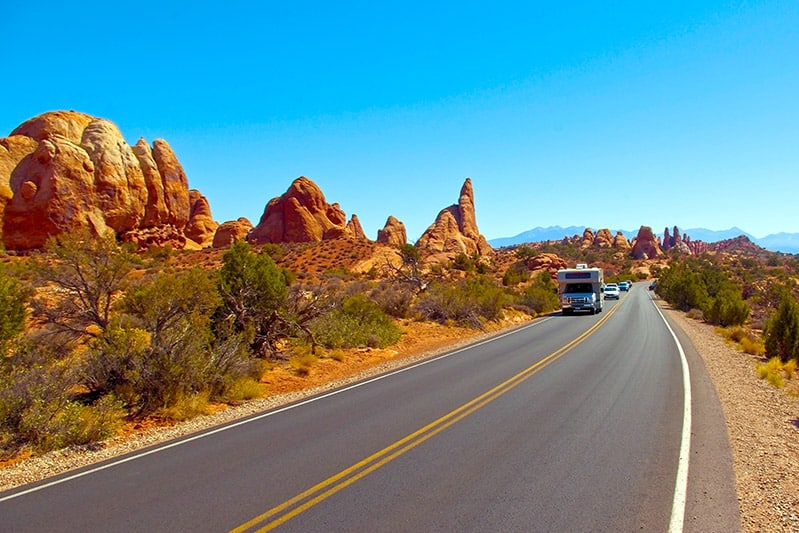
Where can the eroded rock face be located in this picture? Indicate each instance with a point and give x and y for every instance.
(603, 239)
(64, 170)
(646, 245)
(231, 231)
(455, 230)
(393, 233)
(354, 225)
(301, 214)
(201, 227)
(620, 242)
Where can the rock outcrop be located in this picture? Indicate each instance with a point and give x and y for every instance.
(645, 245)
(231, 231)
(65, 170)
(455, 231)
(620, 242)
(301, 214)
(201, 226)
(354, 225)
(393, 233)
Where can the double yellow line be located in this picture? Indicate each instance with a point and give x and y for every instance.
(305, 500)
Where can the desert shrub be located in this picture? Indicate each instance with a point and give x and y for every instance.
(727, 308)
(781, 332)
(37, 409)
(254, 293)
(161, 355)
(393, 298)
(469, 301)
(682, 287)
(358, 322)
(775, 371)
(12, 311)
(541, 296)
(515, 274)
(89, 273)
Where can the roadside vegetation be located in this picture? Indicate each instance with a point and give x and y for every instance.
(753, 301)
(93, 335)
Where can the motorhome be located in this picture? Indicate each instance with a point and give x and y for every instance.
(580, 289)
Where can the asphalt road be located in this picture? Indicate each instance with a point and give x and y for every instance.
(566, 424)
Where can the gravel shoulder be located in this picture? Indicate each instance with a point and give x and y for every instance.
(762, 422)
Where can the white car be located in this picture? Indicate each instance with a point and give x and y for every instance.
(612, 291)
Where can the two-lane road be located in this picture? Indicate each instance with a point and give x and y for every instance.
(566, 424)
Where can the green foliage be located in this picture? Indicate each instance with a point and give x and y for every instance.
(253, 290)
(464, 263)
(12, 311)
(541, 296)
(470, 301)
(727, 308)
(781, 332)
(682, 287)
(36, 408)
(89, 272)
(358, 322)
(525, 252)
(515, 274)
(161, 354)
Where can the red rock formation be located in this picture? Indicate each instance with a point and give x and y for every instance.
(455, 231)
(646, 245)
(201, 227)
(354, 225)
(66, 170)
(588, 238)
(620, 242)
(231, 231)
(393, 233)
(603, 239)
(301, 214)
(546, 261)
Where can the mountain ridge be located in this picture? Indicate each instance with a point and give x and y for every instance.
(776, 242)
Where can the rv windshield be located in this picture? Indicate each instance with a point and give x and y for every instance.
(578, 287)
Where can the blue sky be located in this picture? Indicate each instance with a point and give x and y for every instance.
(618, 115)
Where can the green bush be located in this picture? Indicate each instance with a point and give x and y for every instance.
(727, 308)
(781, 332)
(469, 301)
(541, 296)
(12, 311)
(161, 353)
(358, 322)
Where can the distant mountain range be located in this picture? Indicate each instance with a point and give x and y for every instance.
(779, 242)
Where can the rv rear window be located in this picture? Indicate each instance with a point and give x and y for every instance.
(578, 287)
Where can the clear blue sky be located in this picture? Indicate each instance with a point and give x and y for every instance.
(612, 115)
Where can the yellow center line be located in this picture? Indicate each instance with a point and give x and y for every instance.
(323, 490)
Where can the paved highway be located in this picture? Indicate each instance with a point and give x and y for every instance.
(566, 424)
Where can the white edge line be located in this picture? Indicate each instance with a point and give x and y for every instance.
(681, 483)
(208, 433)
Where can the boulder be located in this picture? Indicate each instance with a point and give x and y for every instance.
(230, 232)
(620, 242)
(603, 238)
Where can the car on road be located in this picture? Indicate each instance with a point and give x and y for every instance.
(612, 291)
(624, 286)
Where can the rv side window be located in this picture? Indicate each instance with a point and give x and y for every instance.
(578, 287)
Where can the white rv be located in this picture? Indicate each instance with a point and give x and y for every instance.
(580, 289)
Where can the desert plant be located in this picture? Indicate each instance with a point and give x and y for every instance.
(254, 290)
(469, 301)
(781, 332)
(89, 273)
(541, 296)
(12, 311)
(727, 308)
(775, 371)
(358, 322)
